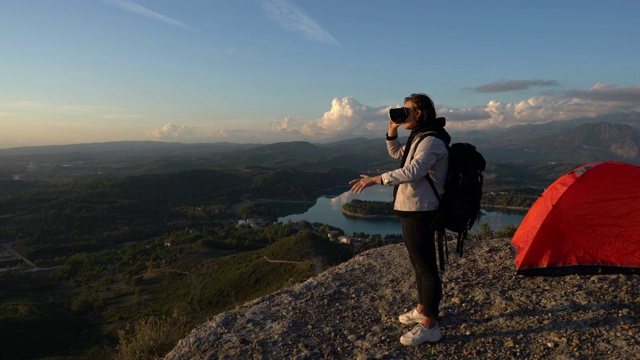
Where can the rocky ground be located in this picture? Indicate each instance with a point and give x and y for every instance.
(351, 312)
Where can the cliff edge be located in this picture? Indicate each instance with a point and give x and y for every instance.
(351, 311)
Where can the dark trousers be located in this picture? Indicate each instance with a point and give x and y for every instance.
(420, 242)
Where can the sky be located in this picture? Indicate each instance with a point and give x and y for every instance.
(265, 71)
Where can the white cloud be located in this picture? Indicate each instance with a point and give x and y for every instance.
(172, 132)
(137, 9)
(293, 19)
(572, 104)
(530, 111)
(221, 133)
(347, 117)
(463, 114)
(284, 125)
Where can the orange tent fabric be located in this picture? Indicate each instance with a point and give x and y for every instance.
(586, 222)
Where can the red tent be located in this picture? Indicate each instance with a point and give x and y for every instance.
(586, 222)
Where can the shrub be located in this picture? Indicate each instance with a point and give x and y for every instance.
(485, 232)
(81, 306)
(151, 338)
(507, 231)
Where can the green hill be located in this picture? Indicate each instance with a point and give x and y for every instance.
(234, 279)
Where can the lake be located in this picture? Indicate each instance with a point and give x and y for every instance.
(326, 210)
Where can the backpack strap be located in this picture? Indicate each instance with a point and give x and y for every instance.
(440, 233)
(442, 248)
(433, 187)
(437, 135)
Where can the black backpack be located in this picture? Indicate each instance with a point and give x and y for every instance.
(460, 203)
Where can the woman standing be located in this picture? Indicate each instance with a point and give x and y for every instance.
(416, 204)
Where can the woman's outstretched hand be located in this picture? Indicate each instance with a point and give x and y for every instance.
(357, 185)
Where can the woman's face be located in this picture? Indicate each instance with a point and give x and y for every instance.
(413, 115)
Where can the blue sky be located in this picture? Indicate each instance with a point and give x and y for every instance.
(263, 71)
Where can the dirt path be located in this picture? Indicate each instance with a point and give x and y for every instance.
(283, 261)
(193, 302)
(8, 254)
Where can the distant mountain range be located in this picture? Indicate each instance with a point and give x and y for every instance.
(607, 137)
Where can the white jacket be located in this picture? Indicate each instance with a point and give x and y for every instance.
(414, 192)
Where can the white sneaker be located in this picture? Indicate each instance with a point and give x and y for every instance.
(411, 317)
(420, 334)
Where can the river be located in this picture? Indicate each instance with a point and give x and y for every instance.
(326, 210)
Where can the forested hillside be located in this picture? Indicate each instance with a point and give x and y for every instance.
(108, 251)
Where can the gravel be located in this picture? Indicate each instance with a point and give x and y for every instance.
(351, 311)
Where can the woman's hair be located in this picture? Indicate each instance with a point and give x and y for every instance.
(424, 103)
(428, 116)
